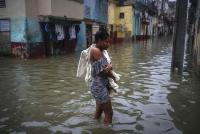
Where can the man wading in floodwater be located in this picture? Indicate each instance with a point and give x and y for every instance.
(100, 72)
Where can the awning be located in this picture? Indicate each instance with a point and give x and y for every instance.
(88, 21)
(64, 20)
(91, 21)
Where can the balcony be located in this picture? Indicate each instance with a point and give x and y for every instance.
(61, 8)
(123, 2)
(79, 1)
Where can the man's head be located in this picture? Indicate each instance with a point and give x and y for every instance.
(102, 39)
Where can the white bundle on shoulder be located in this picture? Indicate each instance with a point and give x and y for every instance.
(84, 67)
(113, 84)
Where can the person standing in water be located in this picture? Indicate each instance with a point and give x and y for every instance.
(100, 72)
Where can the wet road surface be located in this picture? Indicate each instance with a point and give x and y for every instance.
(43, 96)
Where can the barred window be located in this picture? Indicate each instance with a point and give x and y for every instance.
(4, 25)
(2, 4)
(121, 15)
(4, 34)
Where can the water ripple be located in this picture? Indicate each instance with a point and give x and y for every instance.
(44, 93)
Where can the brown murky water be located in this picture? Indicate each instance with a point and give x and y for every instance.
(43, 96)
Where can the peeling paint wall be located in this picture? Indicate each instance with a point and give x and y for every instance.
(24, 24)
(89, 9)
(25, 29)
(18, 29)
(34, 34)
(137, 30)
(16, 12)
(101, 11)
(81, 37)
(24, 20)
(96, 10)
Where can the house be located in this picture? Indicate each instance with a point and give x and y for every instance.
(95, 16)
(121, 20)
(38, 28)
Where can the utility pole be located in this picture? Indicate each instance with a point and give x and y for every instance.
(162, 7)
(179, 36)
(196, 49)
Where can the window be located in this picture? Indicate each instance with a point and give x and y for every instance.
(4, 32)
(4, 25)
(121, 15)
(2, 4)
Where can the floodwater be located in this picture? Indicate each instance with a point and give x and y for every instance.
(43, 96)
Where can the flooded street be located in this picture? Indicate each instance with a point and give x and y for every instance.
(43, 96)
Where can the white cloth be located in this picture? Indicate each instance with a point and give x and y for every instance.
(60, 32)
(84, 67)
(111, 81)
(72, 32)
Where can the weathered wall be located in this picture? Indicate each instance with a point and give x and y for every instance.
(137, 30)
(127, 22)
(18, 29)
(89, 9)
(16, 12)
(13, 8)
(67, 8)
(24, 20)
(33, 31)
(81, 37)
(32, 8)
(133, 22)
(111, 13)
(96, 10)
(101, 11)
(44, 7)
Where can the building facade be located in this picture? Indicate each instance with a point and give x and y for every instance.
(95, 17)
(121, 21)
(42, 28)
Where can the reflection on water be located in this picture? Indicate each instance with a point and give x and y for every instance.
(44, 96)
